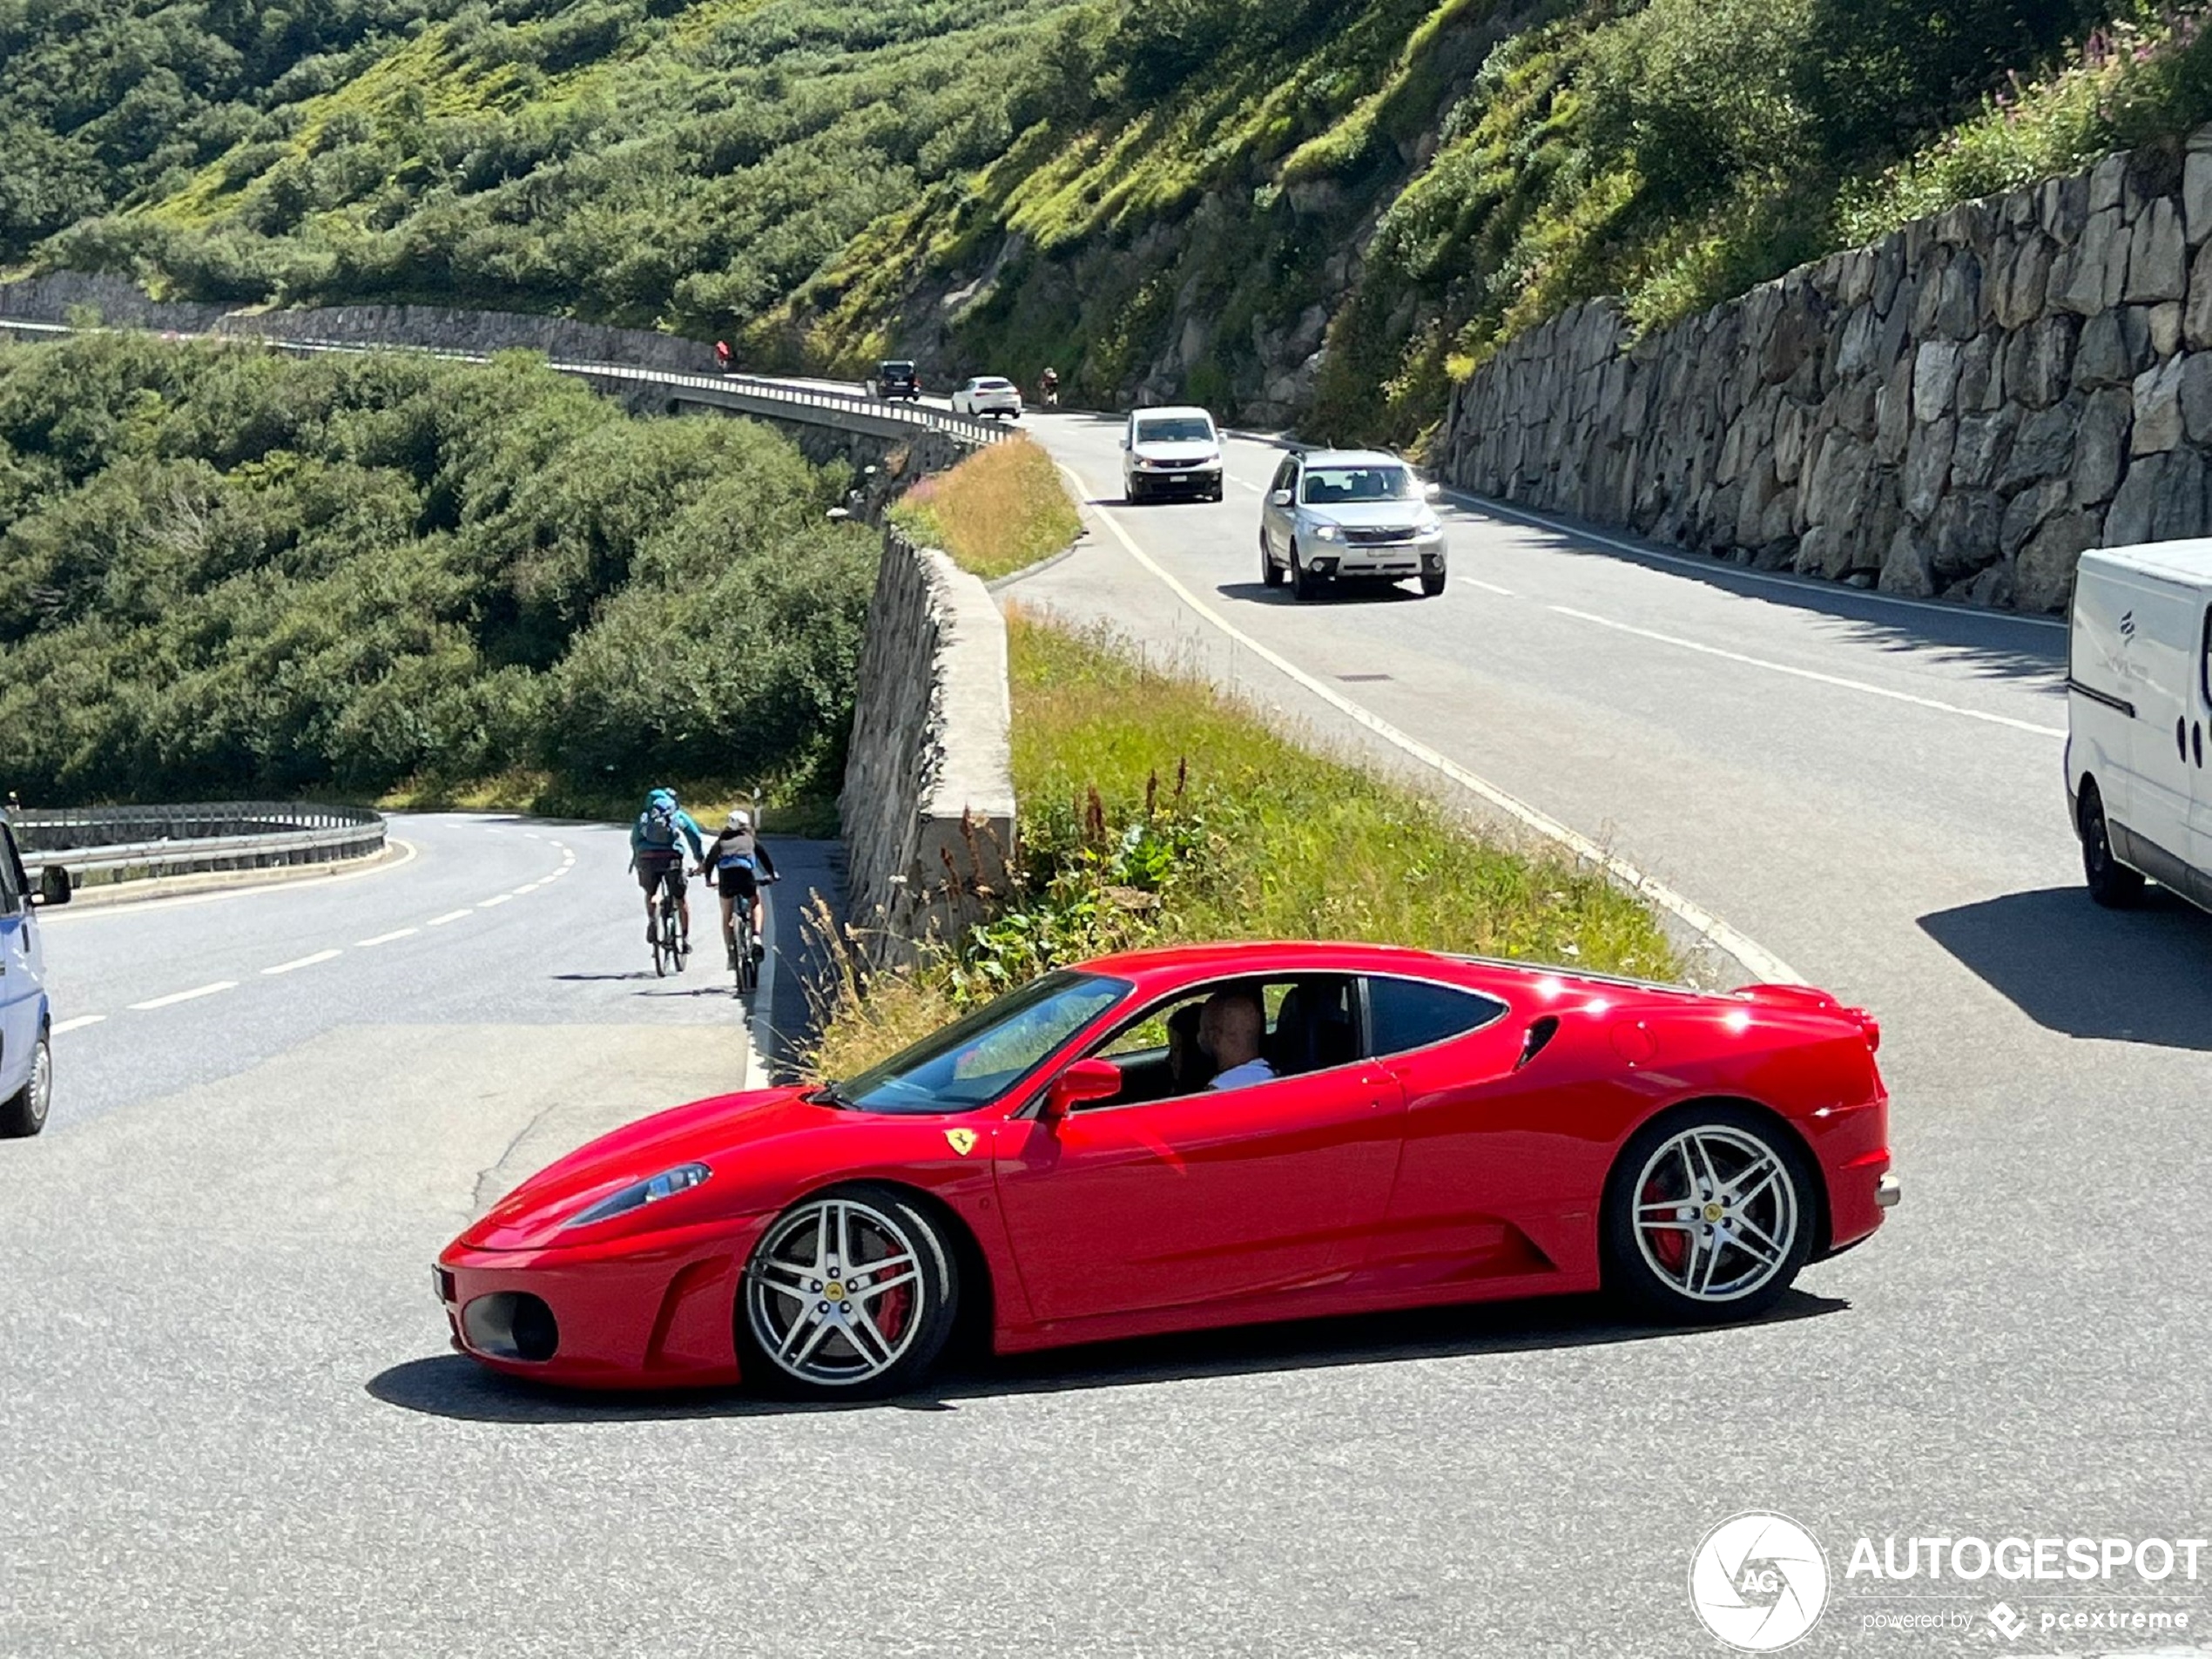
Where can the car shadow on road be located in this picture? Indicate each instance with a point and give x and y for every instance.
(2072, 967)
(1376, 592)
(450, 1386)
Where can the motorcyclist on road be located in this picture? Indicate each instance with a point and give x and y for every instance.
(738, 861)
(1050, 382)
(657, 855)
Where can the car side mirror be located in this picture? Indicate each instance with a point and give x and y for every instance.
(53, 885)
(1432, 492)
(1087, 1080)
(1124, 440)
(1280, 498)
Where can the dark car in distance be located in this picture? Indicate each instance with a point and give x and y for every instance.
(896, 378)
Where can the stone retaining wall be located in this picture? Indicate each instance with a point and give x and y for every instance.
(927, 804)
(1960, 409)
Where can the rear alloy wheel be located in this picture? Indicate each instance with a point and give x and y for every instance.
(849, 1294)
(24, 1112)
(1270, 572)
(2111, 883)
(1709, 1215)
(1304, 586)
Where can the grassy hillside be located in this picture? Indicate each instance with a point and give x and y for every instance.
(1186, 199)
(227, 572)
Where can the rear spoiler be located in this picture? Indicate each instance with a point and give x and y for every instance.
(1813, 1000)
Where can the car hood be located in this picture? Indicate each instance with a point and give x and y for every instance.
(1181, 449)
(718, 1132)
(1368, 514)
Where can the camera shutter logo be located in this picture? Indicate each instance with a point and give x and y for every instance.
(1759, 1582)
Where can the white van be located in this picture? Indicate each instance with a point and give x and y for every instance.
(2139, 697)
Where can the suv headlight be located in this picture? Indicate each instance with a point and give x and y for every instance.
(639, 1194)
(1427, 525)
(1326, 533)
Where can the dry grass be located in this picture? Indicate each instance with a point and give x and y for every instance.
(1279, 842)
(1001, 509)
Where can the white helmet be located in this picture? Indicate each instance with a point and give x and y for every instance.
(740, 819)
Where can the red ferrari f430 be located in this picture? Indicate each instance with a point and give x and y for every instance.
(1178, 1139)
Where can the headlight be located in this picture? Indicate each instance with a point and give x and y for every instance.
(1326, 533)
(637, 1195)
(1428, 526)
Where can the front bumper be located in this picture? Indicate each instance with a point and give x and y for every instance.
(662, 1316)
(1391, 560)
(1192, 478)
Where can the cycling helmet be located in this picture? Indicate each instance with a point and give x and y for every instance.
(740, 819)
(661, 797)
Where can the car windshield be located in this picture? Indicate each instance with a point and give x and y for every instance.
(992, 386)
(979, 1057)
(1328, 484)
(1183, 429)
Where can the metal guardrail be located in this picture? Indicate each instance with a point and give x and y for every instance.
(115, 843)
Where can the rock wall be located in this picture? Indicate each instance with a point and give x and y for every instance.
(927, 804)
(1959, 410)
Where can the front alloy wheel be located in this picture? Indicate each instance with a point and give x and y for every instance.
(24, 1112)
(1709, 1216)
(850, 1294)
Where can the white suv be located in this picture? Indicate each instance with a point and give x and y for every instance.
(1334, 515)
(988, 395)
(1170, 452)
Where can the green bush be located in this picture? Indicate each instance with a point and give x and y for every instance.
(223, 572)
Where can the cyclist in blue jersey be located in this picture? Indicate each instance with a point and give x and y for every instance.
(657, 855)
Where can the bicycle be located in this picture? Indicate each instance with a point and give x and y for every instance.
(748, 971)
(672, 945)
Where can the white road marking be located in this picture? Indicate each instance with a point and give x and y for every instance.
(1770, 579)
(1812, 674)
(77, 1024)
(497, 897)
(175, 997)
(1761, 963)
(303, 962)
(1488, 587)
(528, 886)
(450, 915)
(386, 939)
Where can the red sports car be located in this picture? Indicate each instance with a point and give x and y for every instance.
(1181, 1138)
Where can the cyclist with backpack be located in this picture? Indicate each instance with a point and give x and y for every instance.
(657, 855)
(738, 861)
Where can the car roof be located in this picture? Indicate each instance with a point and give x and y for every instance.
(1349, 458)
(2186, 561)
(1177, 410)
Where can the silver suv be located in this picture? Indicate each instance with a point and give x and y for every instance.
(1334, 515)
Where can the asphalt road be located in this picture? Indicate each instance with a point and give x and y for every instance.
(232, 1426)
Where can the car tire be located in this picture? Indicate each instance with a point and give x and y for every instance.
(1270, 572)
(1134, 492)
(1304, 585)
(1657, 1239)
(24, 1113)
(774, 1324)
(2112, 884)
(1432, 584)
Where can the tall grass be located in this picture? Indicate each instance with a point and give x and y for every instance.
(1001, 509)
(1155, 810)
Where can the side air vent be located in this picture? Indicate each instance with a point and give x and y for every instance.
(1541, 1032)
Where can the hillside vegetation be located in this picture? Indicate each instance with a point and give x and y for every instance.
(1185, 200)
(224, 572)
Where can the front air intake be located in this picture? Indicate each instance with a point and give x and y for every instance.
(511, 1325)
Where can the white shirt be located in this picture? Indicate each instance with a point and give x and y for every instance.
(1253, 1071)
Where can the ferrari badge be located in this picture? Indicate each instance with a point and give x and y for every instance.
(963, 1140)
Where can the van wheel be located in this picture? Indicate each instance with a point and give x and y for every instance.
(2111, 883)
(24, 1112)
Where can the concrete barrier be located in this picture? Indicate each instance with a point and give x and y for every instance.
(928, 804)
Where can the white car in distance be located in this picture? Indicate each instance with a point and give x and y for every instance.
(1170, 452)
(991, 394)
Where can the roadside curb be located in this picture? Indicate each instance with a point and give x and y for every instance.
(1042, 565)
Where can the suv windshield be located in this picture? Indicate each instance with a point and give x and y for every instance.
(979, 1057)
(1187, 429)
(895, 371)
(1327, 484)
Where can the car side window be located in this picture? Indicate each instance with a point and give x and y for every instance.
(1406, 1014)
(10, 873)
